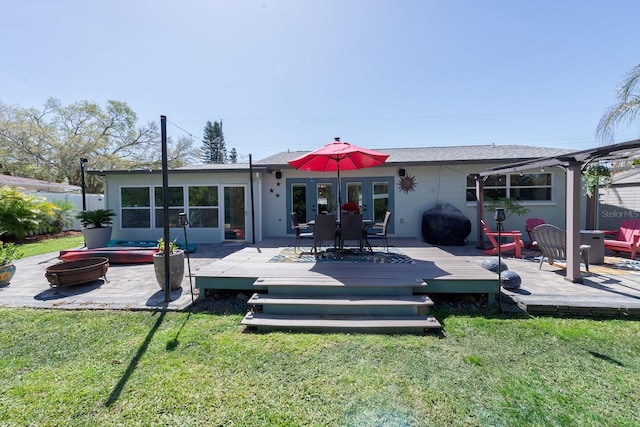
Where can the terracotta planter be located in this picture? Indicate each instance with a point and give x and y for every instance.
(6, 274)
(176, 268)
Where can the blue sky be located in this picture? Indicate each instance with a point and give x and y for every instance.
(294, 74)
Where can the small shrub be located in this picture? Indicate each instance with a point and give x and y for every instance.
(9, 252)
(173, 246)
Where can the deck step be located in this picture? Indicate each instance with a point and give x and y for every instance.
(387, 305)
(410, 300)
(345, 286)
(359, 323)
(323, 280)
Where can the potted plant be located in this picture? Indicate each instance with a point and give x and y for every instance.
(97, 227)
(176, 264)
(594, 176)
(8, 253)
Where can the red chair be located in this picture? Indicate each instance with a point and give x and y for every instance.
(627, 238)
(530, 224)
(516, 245)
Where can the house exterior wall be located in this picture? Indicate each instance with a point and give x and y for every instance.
(435, 184)
(617, 203)
(113, 183)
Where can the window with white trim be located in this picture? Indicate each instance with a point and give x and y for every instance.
(135, 207)
(203, 206)
(530, 187)
(176, 205)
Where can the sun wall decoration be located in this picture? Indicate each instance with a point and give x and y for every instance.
(407, 183)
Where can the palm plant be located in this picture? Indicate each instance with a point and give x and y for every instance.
(63, 215)
(96, 219)
(21, 214)
(626, 110)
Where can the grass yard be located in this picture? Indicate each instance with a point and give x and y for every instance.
(44, 246)
(92, 368)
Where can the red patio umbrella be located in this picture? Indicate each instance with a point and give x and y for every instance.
(336, 156)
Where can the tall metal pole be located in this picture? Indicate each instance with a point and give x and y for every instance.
(479, 209)
(165, 209)
(253, 213)
(82, 184)
(500, 217)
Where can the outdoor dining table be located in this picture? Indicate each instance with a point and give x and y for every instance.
(366, 224)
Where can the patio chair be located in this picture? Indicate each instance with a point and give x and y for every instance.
(530, 224)
(324, 230)
(298, 227)
(515, 245)
(627, 238)
(351, 229)
(382, 234)
(552, 242)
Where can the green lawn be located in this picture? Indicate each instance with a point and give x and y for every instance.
(91, 368)
(39, 247)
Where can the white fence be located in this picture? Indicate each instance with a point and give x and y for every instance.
(94, 201)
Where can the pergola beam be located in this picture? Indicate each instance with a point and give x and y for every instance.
(572, 163)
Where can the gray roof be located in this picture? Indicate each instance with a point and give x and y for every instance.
(403, 156)
(36, 184)
(209, 167)
(629, 177)
(456, 154)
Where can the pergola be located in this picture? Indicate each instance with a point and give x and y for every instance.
(573, 164)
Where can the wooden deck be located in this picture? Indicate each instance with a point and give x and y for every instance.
(608, 290)
(345, 296)
(432, 265)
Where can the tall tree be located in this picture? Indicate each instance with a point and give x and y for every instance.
(213, 145)
(48, 143)
(233, 156)
(626, 110)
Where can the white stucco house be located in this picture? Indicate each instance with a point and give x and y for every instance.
(241, 202)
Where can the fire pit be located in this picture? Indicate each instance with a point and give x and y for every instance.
(77, 272)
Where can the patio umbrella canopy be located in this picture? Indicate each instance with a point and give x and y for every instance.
(337, 156)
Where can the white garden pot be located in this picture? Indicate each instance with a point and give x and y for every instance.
(96, 237)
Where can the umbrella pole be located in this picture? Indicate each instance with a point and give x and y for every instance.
(339, 194)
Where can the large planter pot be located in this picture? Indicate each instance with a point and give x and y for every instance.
(6, 273)
(176, 268)
(96, 237)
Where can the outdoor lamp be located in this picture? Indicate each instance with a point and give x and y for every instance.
(500, 216)
(182, 219)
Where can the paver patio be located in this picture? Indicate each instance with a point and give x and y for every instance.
(610, 289)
